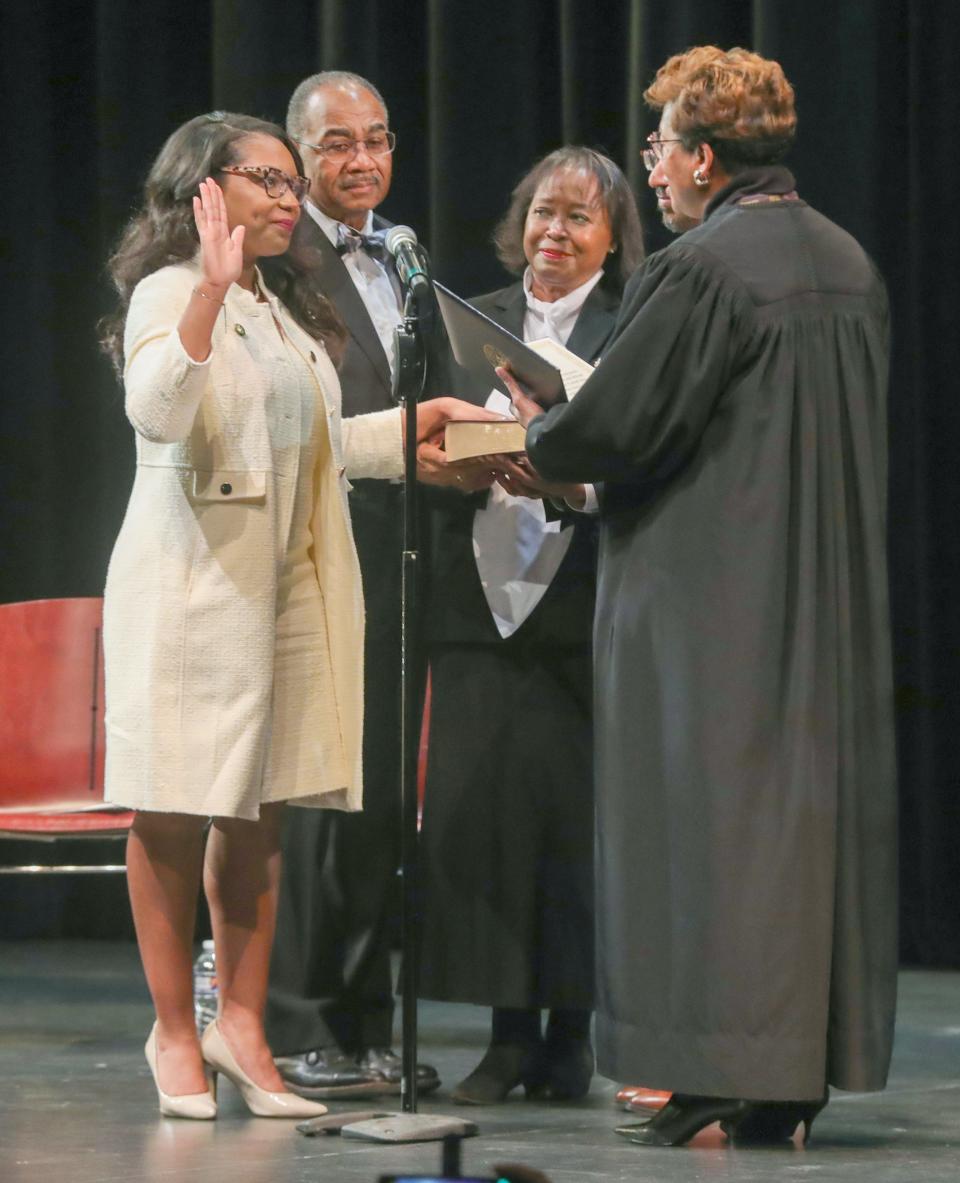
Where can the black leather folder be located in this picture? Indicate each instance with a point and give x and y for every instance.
(480, 345)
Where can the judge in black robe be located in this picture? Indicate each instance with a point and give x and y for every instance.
(746, 855)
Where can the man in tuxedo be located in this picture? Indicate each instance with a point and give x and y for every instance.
(330, 1005)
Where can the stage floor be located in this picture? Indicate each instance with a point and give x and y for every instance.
(77, 1104)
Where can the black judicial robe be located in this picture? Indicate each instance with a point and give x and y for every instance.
(745, 780)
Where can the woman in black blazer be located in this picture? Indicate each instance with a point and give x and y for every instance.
(508, 818)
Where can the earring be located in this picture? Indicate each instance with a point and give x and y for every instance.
(612, 251)
(700, 177)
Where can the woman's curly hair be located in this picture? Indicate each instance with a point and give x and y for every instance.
(164, 230)
(736, 101)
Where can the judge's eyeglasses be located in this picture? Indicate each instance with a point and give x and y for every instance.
(654, 154)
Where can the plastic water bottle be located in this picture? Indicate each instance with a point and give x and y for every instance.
(205, 987)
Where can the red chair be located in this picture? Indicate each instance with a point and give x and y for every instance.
(51, 728)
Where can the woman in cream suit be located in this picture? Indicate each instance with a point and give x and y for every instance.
(233, 618)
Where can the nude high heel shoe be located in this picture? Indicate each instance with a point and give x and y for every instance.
(261, 1103)
(199, 1106)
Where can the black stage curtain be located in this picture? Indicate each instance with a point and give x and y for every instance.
(476, 90)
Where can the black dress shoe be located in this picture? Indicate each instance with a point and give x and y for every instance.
(568, 1064)
(770, 1122)
(328, 1072)
(388, 1066)
(503, 1067)
(685, 1115)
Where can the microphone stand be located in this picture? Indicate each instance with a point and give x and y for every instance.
(371, 1125)
(409, 381)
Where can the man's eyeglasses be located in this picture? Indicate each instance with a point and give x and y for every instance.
(654, 154)
(274, 181)
(379, 143)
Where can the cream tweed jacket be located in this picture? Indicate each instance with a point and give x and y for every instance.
(190, 600)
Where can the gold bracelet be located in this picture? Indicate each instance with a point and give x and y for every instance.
(212, 299)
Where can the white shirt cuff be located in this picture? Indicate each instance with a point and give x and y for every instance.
(591, 502)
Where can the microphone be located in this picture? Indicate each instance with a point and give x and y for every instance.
(401, 244)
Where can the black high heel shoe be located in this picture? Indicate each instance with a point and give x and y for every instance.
(682, 1117)
(568, 1065)
(769, 1122)
(503, 1067)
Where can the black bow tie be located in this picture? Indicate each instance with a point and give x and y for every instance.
(350, 240)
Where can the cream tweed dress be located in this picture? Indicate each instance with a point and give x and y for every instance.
(233, 614)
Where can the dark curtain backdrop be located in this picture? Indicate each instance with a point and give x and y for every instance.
(476, 90)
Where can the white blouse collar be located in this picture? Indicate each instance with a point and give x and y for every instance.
(567, 305)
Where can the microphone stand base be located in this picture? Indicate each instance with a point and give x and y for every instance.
(372, 1125)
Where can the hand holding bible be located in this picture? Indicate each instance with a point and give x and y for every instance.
(518, 476)
(524, 408)
(466, 476)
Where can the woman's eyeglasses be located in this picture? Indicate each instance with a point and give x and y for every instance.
(654, 154)
(274, 181)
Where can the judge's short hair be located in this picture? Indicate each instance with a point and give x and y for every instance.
(297, 107)
(736, 101)
(615, 194)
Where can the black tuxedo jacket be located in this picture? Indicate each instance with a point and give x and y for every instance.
(458, 610)
(375, 505)
(364, 370)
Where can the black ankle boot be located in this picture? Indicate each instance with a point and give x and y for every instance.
(503, 1067)
(568, 1064)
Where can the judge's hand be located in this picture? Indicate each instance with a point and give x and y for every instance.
(518, 476)
(524, 408)
(466, 476)
(221, 252)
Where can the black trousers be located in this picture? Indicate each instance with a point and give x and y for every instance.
(507, 840)
(330, 977)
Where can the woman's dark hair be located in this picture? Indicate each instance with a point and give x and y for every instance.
(164, 231)
(615, 194)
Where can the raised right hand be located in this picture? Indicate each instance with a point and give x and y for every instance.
(221, 253)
